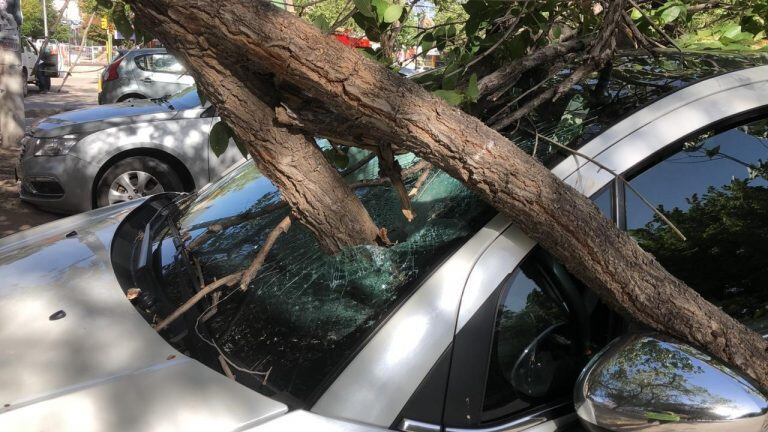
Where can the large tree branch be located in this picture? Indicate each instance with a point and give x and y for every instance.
(557, 216)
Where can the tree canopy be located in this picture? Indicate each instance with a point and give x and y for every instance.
(32, 26)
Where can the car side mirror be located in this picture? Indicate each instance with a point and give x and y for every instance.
(650, 382)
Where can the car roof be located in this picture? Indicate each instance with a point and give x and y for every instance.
(635, 80)
(146, 51)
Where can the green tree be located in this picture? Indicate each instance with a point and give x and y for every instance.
(33, 21)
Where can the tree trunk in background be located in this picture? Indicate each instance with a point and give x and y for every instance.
(334, 92)
(11, 98)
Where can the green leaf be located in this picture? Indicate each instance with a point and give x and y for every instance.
(338, 159)
(392, 13)
(219, 138)
(635, 15)
(732, 30)
(451, 96)
(364, 7)
(450, 77)
(472, 91)
(321, 23)
(105, 4)
(426, 45)
(380, 7)
(122, 23)
(241, 147)
(714, 151)
(671, 13)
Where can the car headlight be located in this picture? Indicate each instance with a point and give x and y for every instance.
(54, 146)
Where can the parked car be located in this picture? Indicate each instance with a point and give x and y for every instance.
(464, 324)
(84, 159)
(143, 74)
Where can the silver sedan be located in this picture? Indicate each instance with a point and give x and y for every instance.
(84, 159)
(465, 324)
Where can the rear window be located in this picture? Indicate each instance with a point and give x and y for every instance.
(307, 313)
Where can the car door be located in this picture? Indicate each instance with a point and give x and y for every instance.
(160, 74)
(525, 330)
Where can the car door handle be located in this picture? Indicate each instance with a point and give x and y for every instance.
(147, 80)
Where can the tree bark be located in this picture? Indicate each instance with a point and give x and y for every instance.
(11, 98)
(316, 193)
(330, 86)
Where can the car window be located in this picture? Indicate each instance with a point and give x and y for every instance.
(164, 63)
(539, 342)
(306, 313)
(186, 99)
(714, 190)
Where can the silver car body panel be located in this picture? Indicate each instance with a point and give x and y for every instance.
(75, 355)
(301, 420)
(380, 380)
(97, 118)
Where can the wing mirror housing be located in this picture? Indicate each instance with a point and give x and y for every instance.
(652, 383)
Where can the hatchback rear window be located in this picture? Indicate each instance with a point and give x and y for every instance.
(306, 313)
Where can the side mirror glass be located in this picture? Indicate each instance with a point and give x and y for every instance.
(649, 382)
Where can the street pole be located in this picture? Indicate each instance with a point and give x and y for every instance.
(45, 18)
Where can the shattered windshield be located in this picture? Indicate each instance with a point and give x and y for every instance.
(306, 313)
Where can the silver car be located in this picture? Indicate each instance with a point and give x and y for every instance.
(142, 74)
(464, 324)
(79, 160)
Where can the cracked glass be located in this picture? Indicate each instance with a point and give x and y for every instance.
(307, 313)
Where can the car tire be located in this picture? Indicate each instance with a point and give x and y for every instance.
(145, 176)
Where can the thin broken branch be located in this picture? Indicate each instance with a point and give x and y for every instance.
(620, 177)
(253, 269)
(225, 281)
(655, 26)
(391, 169)
(243, 277)
(419, 183)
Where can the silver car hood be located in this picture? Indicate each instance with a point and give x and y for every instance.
(75, 355)
(98, 118)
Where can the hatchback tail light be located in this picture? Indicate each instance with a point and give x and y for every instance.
(111, 72)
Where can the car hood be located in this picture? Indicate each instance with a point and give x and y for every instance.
(75, 355)
(102, 117)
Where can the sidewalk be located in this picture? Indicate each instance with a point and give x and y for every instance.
(80, 91)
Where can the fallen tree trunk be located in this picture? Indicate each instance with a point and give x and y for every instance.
(316, 193)
(331, 91)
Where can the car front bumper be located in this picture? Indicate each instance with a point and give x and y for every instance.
(62, 184)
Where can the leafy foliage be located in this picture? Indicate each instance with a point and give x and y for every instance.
(33, 21)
